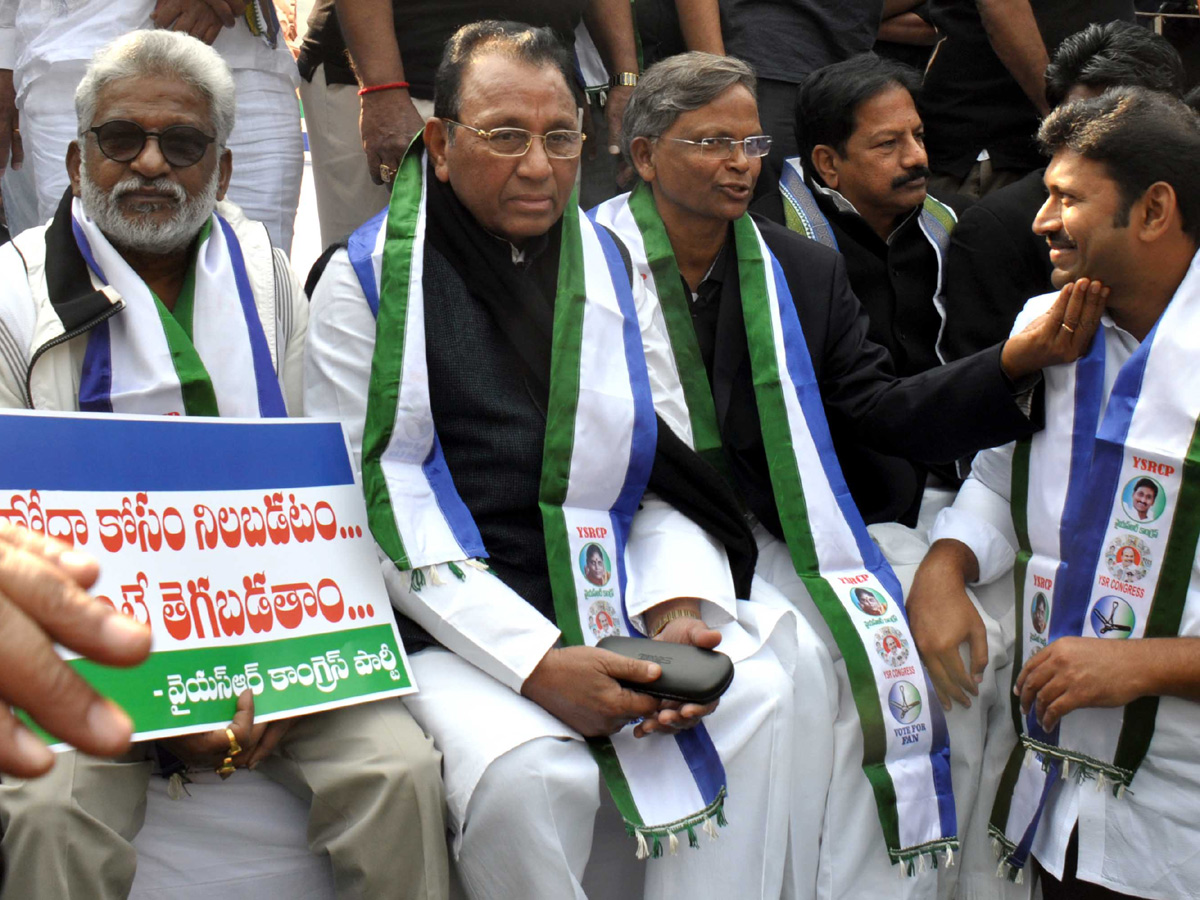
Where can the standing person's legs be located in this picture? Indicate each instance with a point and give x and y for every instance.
(19, 191)
(777, 114)
(68, 834)
(268, 152)
(374, 782)
(346, 195)
(48, 125)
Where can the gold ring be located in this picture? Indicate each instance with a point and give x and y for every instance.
(386, 173)
(234, 747)
(226, 769)
(1068, 327)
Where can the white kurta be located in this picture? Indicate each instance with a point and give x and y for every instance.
(1144, 844)
(469, 697)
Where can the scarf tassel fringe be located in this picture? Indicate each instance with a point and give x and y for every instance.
(654, 842)
(928, 857)
(1081, 770)
(419, 576)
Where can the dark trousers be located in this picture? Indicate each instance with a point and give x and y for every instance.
(777, 113)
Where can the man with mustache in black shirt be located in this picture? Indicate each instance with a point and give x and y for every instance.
(859, 186)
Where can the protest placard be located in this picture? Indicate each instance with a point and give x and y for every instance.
(242, 544)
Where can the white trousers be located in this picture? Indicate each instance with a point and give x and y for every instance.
(525, 821)
(346, 195)
(852, 859)
(268, 152)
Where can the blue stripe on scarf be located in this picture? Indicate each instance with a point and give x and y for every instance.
(270, 397)
(800, 369)
(703, 761)
(360, 248)
(454, 510)
(95, 380)
(645, 426)
(46, 450)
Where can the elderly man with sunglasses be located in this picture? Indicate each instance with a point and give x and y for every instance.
(143, 295)
(530, 496)
(772, 350)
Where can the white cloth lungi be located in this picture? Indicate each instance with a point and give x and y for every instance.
(268, 151)
(853, 860)
(523, 789)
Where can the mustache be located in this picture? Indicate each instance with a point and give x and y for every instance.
(1060, 240)
(910, 176)
(134, 184)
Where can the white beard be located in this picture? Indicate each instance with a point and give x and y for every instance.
(131, 232)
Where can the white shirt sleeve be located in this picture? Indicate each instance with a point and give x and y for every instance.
(479, 618)
(981, 515)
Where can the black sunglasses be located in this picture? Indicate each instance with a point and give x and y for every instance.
(180, 145)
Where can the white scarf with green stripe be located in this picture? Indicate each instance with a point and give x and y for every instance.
(599, 449)
(147, 361)
(906, 750)
(1089, 562)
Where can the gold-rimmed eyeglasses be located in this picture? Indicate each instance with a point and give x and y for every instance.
(517, 141)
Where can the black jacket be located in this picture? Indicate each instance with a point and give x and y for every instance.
(994, 265)
(936, 416)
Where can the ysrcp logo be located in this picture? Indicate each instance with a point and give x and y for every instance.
(602, 619)
(904, 700)
(1112, 617)
(892, 645)
(1128, 558)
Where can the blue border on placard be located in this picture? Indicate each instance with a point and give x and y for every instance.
(110, 453)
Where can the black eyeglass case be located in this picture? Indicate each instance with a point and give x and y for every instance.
(689, 674)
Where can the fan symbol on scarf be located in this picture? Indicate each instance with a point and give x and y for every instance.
(1108, 623)
(905, 701)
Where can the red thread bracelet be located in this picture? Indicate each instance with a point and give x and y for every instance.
(392, 86)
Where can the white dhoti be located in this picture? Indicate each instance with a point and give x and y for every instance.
(523, 790)
(853, 860)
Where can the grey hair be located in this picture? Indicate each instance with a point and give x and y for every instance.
(676, 85)
(162, 54)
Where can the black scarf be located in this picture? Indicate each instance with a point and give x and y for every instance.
(520, 298)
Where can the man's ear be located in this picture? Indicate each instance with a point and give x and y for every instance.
(225, 167)
(825, 161)
(74, 158)
(1155, 212)
(642, 151)
(437, 142)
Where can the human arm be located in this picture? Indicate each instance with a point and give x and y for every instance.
(700, 25)
(43, 600)
(907, 28)
(1013, 33)
(972, 541)
(948, 411)
(1079, 673)
(194, 17)
(291, 329)
(388, 119)
(610, 23)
